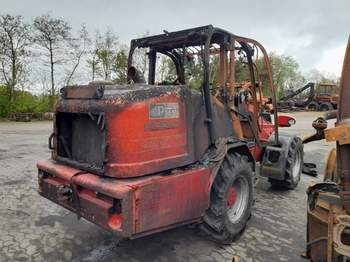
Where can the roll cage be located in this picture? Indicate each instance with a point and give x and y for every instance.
(205, 41)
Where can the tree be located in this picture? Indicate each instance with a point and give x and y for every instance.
(78, 48)
(285, 73)
(170, 70)
(93, 61)
(319, 77)
(194, 71)
(165, 69)
(52, 35)
(103, 55)
(14, 43)
(214, 70)
(120, 66)
(108, 59)
(140, 57)
(106, 53)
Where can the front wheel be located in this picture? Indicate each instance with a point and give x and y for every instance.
(231, 200)
(294, 166)
(313, 106)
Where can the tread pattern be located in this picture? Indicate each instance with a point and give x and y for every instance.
(326, 106)
(288, 181)
(215, 217)
(313, 106)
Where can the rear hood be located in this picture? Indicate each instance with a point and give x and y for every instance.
(92, 98)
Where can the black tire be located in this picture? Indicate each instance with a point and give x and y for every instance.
(326, 107)
(294, 166)
(312, 106)
(222, 222)
(267, 116)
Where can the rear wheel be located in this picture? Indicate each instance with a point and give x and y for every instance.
(231, 200)
(326, 107)
(294, 166)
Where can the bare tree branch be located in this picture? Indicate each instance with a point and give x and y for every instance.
(52, 34)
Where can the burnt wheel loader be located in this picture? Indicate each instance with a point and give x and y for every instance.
(327, 97)
(321, 98)
(158, 153)
(328, 207)
(288, 102)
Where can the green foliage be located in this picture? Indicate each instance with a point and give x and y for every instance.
(4, 101)
(104, 53)
(14, 51)
(120, 67)
(193, 72)
(214, 67)
(170, 72)
(285, 73)
(24, 102)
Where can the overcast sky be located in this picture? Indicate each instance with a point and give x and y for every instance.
(314, 32)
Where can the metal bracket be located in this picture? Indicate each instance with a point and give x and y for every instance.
(342, 223)
(339, 133)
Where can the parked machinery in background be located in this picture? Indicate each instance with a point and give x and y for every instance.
(318, 97)
(326, 97)
(290, 101)
(21, 117)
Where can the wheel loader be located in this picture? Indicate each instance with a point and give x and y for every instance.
(159, 152)
(320, 97)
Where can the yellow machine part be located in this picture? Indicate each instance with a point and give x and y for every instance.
(331, 167)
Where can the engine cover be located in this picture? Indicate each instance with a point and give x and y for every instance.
(129, 131)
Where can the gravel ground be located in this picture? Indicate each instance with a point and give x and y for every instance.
(34, 229)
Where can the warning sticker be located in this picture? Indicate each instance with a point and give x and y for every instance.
(164, 110)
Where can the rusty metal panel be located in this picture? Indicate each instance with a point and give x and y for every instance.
(317, 229)
(171, 199)
(82, 92)
(340, 133)
(148, 204)
(53, 176)
(148, 137)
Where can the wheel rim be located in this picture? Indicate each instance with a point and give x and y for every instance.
(237, 199)
(297, 165)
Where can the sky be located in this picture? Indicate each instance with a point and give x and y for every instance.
(314, 32)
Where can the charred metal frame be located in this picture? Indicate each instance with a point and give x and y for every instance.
(204, 36)
(101, 123)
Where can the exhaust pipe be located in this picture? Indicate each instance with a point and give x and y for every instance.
(136, 76)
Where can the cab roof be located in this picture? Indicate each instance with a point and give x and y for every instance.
(184, 38)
